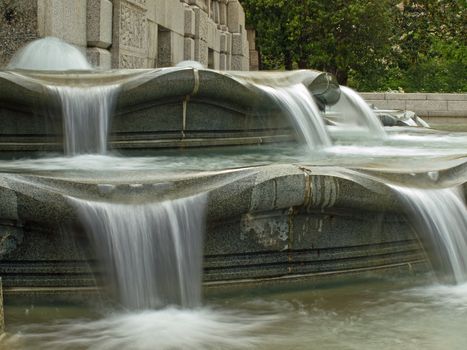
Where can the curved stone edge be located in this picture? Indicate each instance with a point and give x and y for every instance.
(243, 206)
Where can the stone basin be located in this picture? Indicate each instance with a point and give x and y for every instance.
(156, 108)
(267, 224)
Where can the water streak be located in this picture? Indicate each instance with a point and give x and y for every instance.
(353, 110)
(300, 107)
(86, 116)
(442, 214)
(153, 252)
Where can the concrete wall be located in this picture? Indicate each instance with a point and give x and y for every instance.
(133, 33)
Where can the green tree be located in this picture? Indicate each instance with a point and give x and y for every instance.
(416, 45)
(432, 51)
(339, 36)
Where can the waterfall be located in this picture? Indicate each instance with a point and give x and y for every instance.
(300, 107)
(441, 214)
(86, 116)
(153, 252)
(352, 109)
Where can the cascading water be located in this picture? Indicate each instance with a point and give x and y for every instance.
(352, 109)
(300, 107)
(442, 214)
(86, 116)
(153, 251)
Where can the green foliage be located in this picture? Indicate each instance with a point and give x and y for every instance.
(414, 45)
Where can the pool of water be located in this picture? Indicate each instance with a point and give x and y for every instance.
(404, 150)
(371, 315)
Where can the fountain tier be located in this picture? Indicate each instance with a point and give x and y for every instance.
(164, 108)
(274, 223)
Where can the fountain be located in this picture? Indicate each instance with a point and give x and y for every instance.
(142, 190)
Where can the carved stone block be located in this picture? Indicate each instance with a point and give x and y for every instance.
(165, 47)
(216, 60)
(99, 23)
(18, 26)
(223, 61)
(228, 37)
(130, 47)
(132, 62)
(213, 38)
(99, 58)
(254, 60)
(251, 37)
(201, 19)
(200, 3)
(201, 52)
(235, 16)
(237, 62)
(152, 44)
(190, 25)
(237, 44)
(64, 19)
(223, 12)
(189, 49)
(223, 42)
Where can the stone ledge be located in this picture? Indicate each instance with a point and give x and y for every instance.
(426, 105)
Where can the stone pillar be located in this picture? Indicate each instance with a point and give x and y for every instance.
(225, 48)
(223, 14)
(190, 31)
(165, 48)
(152, 44)
(215, 11)
(130, 34)
(254, 55)
(201, 35)
(99, 32)
(236, 25)
(235, 16)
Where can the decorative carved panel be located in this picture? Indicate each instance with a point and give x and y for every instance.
(131, 62)
(132, 26)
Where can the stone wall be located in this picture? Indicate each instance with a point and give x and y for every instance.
(424, 104)
(133, 33)
(18, 25)
(435, 108)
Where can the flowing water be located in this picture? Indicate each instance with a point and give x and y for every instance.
(383, 315)
(442, 215)
(86, 114)
(352, 110)
(303, 111)
(153, 252)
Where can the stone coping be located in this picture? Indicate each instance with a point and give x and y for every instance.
(424, 104)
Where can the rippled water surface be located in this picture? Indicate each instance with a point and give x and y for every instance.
(383, 315)
(404, 150)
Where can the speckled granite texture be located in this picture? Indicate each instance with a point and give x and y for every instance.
(18, 25)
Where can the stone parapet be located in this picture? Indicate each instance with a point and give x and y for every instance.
(424, 104)
(134, 33)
